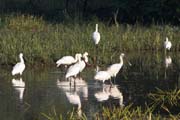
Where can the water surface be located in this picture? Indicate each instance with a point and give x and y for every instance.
(43, 90)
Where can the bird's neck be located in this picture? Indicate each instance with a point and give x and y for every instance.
(21, 59)
(121, 60)
(96, 28)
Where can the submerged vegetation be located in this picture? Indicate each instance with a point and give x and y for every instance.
(43, 42)
(150, 111)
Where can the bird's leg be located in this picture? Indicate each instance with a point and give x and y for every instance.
(114, 80)
(97, 62)
(111, 81)
(70, 83)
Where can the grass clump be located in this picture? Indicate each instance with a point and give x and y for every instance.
(44, 42)
(161, 100)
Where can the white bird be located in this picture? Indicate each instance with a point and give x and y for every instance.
(19, 67)
(19, 85)
(67, 60)
(102, 75)
(85, 57)
(168, 61)
(115, 68)
(96, 36)
(167, 44)
(74, 69)
(83, 62)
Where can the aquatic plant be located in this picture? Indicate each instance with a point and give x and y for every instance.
(43, 42)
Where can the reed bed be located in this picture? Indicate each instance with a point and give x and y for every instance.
(44, 42)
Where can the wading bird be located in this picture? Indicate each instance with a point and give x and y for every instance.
(115, 68)
(167, 44)
(96, 36)
(75, 69)
(102, 75)
(19, 67)
(67, 60)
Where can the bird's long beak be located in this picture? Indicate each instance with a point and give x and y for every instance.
(128, 62)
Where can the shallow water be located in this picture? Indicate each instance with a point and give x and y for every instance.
(46, 90)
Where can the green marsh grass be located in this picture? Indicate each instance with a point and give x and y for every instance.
(129, 112)
(44, 42)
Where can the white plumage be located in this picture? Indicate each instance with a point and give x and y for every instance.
(19, 67)
(75, 69)
(67, 60)
(167, 44)
(85, 56)
(19, 86)
(83, 62)
(96, 35)
(101, 75)
(114, 68)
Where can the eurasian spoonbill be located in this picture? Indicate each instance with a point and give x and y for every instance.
(19, 67)
(167, 44)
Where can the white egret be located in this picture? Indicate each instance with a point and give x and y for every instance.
(115, 68)
(19, 67)
(102, 75)
(19, 85)
(75, 69)
(96, 36)
(67, 60)
(167, 44)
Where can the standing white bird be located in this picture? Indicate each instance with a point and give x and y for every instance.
(167, 44)
(102, 75)
(19, 67)
(67, 60)
(96, 36)
(74, 69)
(19, 85)
(114, 68)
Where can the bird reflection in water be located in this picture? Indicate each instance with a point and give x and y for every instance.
(19, 86)
(109, 91)
(75, 91)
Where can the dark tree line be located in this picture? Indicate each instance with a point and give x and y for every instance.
(130, 11)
